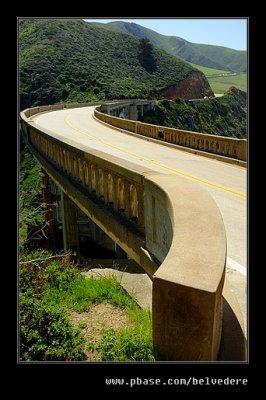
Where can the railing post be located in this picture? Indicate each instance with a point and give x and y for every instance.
(141, 211)
(105, 186)
(115, 194)
(242, 150)
(127, 198)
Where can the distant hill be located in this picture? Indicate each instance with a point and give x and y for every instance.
(225, 116)
(211, 56)
(71, 60)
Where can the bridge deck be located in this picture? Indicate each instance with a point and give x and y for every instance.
(225, 182)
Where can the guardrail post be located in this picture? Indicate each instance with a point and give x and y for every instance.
(105, 186)
(242, 150)
(141, 211)
(127, 198)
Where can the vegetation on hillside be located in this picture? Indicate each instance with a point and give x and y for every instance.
(50, 290)
(225, 116)
(210, 71)
(31, 217)
(220, 83)
(71, 60)
(202, 54)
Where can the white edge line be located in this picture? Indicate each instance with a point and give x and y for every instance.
(234, 265)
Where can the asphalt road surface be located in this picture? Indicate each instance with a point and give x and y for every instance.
(225, 182)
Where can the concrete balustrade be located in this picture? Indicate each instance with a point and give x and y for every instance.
(96, 181)
(185, 231)
(170, 226)
(201, 142)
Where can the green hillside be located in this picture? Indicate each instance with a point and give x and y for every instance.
(210, 71)
(71, 60)
(220, 84)
(225, 116)
(211, 56)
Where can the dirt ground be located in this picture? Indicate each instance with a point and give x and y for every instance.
(95, 322)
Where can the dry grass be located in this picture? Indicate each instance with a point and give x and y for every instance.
(95, 322)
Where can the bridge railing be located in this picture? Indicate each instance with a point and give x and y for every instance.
(169, 225)
(219, 145)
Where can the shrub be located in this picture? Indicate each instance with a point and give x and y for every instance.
(50, 289)
(31, 277)
(46, 333)
(107, 347)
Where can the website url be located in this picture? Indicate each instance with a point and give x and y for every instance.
(190, 381)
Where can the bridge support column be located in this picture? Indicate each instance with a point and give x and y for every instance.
(133, 115)
(187, 322)
(70, 226)
(48, 211)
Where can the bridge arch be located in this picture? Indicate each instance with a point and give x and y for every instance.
(178, 251)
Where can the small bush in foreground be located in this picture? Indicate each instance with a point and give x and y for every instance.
(46, 333)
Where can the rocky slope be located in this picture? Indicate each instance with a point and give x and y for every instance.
(194, 86)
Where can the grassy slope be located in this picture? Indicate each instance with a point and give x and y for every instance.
(71, 60)
(210, 71)
(236, 60)
(50, 290)
(201, 54)
(220, 84)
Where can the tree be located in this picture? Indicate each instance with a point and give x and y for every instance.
(145, 56)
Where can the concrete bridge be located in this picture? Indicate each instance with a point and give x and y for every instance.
(169, 209)
(129, 109)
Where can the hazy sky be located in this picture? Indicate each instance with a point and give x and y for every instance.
(222, 32)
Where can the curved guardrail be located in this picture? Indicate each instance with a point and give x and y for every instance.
(170, 226)
(199, 143)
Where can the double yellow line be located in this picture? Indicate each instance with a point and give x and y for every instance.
(152, 162)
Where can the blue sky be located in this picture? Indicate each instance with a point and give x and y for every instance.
(222, 32)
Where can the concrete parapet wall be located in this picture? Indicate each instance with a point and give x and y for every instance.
(220, 145)
(190, 279)
(168, 225)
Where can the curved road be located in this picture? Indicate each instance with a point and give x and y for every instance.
(225, 182)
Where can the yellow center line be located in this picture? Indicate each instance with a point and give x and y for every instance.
(152, 162)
